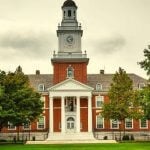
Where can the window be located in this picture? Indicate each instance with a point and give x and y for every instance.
(43, 100)
(41, 87)
(114, 124)
(70, 72)
(11, 126)
(69, 13)
(41, 123)
(26, 126)
(128, 123)
(141, 85)
(143, 123)
(99, 122)
(99, 101)
(98, 87)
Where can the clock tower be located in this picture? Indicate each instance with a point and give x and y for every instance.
(69, 59)
(69, 32)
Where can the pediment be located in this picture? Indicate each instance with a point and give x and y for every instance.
(70, 85)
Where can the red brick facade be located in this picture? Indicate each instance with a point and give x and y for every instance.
(60, 71)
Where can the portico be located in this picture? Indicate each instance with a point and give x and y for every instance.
(70, 92)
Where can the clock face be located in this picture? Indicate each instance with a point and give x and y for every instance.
(69, 39)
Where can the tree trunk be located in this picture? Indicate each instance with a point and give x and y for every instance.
(124, 130)
(18, 129)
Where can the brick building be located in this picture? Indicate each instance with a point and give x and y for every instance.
(72, 98)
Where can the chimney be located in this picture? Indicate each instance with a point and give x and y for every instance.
(102, 72)
(37, 72)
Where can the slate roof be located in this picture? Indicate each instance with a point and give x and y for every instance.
(93, 79)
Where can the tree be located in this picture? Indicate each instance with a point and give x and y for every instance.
(145, 64)
(145, 102)
(145, 93)
(5, 110)
(22, 102)
(124, 102)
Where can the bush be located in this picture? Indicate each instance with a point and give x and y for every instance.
(132, 137)
(2, 140)
(105, 138)
(125, 138)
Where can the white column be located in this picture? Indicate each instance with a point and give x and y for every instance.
(51, 115)
(89, 114)
(62, 115)
(78, 115)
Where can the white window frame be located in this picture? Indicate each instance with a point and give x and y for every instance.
(126, 127)
(97, 122)
(11, 126)
(99, 87)
(72, 70)
(38, 124)
(140, 120)
(43, 100)
(41, 87)
(100, 99)
(27, 128)
(141, 86)
(112, 122)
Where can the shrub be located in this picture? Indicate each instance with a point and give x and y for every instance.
(125, 138)
(105, 138)
(132, 137)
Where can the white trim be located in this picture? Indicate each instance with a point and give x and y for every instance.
(99, 87)
(70, 80)
(111, 122)
(9, 124)
(146, 124)
(41, 87)
(97, 99)
(103, 122)
(128, 127)
(27, 128)
(43, 99)
(38, 124)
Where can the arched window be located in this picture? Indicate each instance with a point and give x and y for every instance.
(70, 119)
(70, 72)
(69, 13)
(98, 87)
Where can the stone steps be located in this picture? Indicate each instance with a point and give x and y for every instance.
(71, 142)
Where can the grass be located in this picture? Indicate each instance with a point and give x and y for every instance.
(120, 146)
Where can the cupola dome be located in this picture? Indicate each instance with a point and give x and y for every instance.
(69, 3)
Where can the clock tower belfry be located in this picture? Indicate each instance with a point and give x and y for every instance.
(69, 54)
(69, 32)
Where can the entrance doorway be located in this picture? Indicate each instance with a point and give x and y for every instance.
(70, 124)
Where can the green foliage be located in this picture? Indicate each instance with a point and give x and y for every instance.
(121, 97)
(125, 138)
(145, 64)
(145, 101)
(19, 103)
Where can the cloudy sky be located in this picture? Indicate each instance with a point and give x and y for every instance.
(115, 33)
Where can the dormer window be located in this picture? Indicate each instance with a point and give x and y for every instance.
(141, 85)
(70, 72)
(98, 87)
(41, 87)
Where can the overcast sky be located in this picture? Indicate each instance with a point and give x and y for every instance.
(115, 33)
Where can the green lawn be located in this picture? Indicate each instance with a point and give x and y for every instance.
(121, 146)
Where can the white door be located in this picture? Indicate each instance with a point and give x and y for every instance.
(70, 124)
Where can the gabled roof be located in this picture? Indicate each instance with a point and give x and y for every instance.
(70, 85)
(92, 80)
